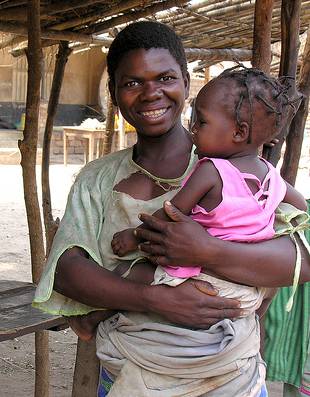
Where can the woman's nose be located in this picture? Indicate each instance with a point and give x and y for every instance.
(151, 91)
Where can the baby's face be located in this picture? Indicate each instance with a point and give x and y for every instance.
(214, 122)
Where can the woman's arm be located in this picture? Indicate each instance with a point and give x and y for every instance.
(268, 264)
(81, 279)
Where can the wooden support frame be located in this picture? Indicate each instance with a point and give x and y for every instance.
(290, 20)
(61, 59)
(262, 35)
(28, 150)
(296, 131)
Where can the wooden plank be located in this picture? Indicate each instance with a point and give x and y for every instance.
(17, 316)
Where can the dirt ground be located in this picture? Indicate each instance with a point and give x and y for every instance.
(17, 356)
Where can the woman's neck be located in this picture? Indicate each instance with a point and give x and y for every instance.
(172, 143)
(166, 156)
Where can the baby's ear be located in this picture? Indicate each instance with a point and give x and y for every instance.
(241, 134)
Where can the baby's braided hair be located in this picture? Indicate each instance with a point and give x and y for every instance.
(276, 94)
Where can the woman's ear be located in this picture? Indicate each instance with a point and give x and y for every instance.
(112, 92)
(241, 134)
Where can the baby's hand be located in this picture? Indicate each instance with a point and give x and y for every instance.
(124, 242)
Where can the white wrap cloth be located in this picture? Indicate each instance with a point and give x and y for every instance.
(151, 358)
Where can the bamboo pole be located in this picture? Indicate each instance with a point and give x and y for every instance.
(50, 225)
(262, 35)
(104, 13)
(290, 22)
(133, 16)
(296, 133)
(28, 149)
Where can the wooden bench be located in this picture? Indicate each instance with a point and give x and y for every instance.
(18, 317)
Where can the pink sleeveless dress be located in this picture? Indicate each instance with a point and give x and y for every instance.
(241, 216)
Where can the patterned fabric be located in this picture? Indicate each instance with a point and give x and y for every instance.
(105, 383)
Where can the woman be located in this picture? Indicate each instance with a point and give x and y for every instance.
(149, 82)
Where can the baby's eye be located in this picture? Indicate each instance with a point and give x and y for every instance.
(166, 78)
(201, 122)
(132, 83)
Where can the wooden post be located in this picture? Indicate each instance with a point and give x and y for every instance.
(207, 75)
(106, 144)
(261, 57)
(290, 20)
(296, 132)
(262, 35)
(86, 371)
(28, 149)
(61, 59)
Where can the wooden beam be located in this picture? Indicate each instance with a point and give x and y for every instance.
(19, 52)
(13, 41)
(218, 55)
(296, 133)
(133, 16)
(290, 22)
(21, 30)
(262, 35)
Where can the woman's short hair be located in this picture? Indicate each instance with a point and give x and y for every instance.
(147, 35)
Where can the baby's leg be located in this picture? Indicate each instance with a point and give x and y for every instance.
(85, 326)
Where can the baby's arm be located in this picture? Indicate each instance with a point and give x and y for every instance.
(295, 198)
(199, 184)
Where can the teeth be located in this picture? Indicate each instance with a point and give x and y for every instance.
(154, 113)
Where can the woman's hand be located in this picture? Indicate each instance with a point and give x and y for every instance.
(178, 242)
(194, 303)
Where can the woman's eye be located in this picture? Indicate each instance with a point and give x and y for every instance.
(131, 83)
(166, 78)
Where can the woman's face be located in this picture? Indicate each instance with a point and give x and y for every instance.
(150, 90)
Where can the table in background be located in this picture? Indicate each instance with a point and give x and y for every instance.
(86, 133)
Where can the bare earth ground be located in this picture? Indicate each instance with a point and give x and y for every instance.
(17, 356)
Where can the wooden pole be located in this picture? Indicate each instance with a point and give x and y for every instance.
(21, 30)
(106, 145)
(50, 225)
(28, 149)
(262, 40)
(207, 75)
(86, 370)
(296, 132)
(262, 35)
(290, 21)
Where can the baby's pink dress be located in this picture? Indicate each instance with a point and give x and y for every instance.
(241, 215)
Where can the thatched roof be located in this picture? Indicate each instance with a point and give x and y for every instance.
(216, 27)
